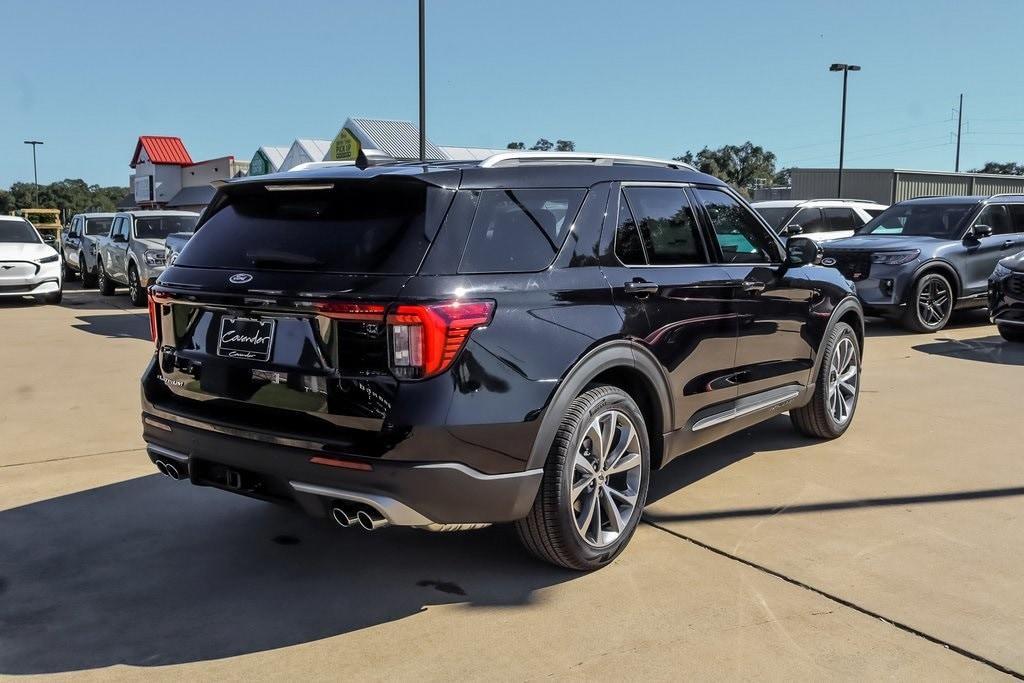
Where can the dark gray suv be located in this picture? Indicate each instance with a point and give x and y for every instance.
(922, 258)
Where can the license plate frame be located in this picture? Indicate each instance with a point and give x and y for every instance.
(245, 350)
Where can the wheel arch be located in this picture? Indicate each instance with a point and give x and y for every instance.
(935, 266)
(848, 311)
(619, 363)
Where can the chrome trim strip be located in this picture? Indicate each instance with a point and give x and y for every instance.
(153, 423)
(397, 513)
(1001, 321)
(166, 452)
(476, 474)
(733, 413)
(530, 155)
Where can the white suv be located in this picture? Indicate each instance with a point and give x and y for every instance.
(819, 219)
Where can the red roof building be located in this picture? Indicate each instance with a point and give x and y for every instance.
(162, 149)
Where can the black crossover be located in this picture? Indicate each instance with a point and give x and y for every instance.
(450, 345)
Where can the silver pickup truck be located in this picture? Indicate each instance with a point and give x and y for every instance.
(132, 253)
(78, 244)
(173, 245)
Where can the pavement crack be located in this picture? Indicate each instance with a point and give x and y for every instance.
(70, 457)
(906, 628)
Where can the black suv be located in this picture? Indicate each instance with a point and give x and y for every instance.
(522, 339)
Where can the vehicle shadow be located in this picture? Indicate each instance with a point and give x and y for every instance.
(993, 349)
(116, 326)
(884, 327)
(776, 434)
(147, 572)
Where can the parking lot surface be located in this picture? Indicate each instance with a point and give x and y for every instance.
(892, 552)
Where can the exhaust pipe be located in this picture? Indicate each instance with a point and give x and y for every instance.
(172, 471)
(370, 519)
(161, 466)
(343, 517)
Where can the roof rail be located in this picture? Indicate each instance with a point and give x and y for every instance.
(841, 199)
(1007, 194)
(516, 157)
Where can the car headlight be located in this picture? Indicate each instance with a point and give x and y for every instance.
(1000, 272)
(154, 257)
(50, 259)
(895, 258)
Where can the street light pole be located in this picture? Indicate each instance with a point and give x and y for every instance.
(423, 84)
(846, 69)
(959, 126)
(35, 172)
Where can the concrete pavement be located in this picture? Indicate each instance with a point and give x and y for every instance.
(892, 552)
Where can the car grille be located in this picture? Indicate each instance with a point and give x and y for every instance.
(854, 265)
(14, 289)
(1015, 285)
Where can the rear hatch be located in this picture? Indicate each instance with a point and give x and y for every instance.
(273, 315)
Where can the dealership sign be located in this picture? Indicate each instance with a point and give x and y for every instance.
(344, 147)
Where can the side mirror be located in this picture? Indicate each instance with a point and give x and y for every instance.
(803, 251)
(119, 238)
(980, 231)
(794, 229)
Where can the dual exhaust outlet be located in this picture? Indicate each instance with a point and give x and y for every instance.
(347, 514)
(170, 469)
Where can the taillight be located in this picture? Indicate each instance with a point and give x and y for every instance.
(341, 310)
(425, 339)
(154, 318)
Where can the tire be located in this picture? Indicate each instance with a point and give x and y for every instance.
(136, 292)
(929, 289)
(551, 531)
(65, 272)
(106, 285)
(823, 417)
(1011, 334)
(88, 278)
(54, 298)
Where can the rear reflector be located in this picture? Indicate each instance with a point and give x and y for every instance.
(154, 318)
(425, 339)
(346, 464)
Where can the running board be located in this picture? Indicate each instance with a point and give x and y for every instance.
(746, 406)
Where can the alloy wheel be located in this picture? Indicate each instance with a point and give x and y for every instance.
(933, 303)
(842, 381)
(133, 284)
(607, 473)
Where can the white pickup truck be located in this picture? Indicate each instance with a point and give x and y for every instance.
(132, 253)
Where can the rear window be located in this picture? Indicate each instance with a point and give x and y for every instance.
(519, 230)
(357, 227)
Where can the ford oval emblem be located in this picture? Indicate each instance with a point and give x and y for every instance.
(828, 261)
(240, 278)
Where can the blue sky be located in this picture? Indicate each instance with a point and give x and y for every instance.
(654, 78)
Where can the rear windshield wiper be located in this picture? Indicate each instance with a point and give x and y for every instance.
(272, 257)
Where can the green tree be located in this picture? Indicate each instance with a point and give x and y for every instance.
(71, 195)
(516, 145)
(1001, 167)
(542, 145)
(565, 146)
(739, 165)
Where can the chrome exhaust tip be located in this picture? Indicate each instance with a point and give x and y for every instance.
(371, 519)
(342, 517)
(172, 471)
(161, 466)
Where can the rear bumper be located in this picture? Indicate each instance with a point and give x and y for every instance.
(423, 494)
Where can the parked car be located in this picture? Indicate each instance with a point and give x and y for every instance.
(1006, 297)
(28, 266)
(78, 244)
(173, 245)
(132, 253)
(819, 219)
(520, 339)
(923, 258)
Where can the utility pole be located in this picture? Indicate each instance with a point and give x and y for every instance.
(959, 126)
(423, 83)
(846, 69)
(35, 171)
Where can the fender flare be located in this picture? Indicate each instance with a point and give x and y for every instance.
(847, 304)
(607, 356)
(947, 269)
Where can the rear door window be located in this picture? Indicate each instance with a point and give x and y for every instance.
(519, 230)
(667, 226)
(1016, 217)
(841, 219)
(365, 226)
(809, 220)
(996, 217)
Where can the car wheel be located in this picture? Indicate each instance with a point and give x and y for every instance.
(54, 298)
(88, 279)
(930, 305)
(136, 292)
(830, 410)
(594, 485)
(1011, 334)
(106, 285)
(65, 272)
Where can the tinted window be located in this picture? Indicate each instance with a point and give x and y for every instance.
(741, 237)
(627, 237)
(17, 231)
(874, 212)
(809, 220)
(841, 219)
(159, 227)
(519, 230)
(667, 225)
(360, 227)
(996, 217)
(97, 226)
(774, 215)
(1016, 217)
(924, 220)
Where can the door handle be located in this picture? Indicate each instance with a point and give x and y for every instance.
(637, 287)
(1008, 243)
(752, 286)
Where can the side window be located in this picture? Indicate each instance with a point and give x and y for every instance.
(627, 237)
(809, 220)
(1016, 217)
(668, 228)
(841, 219)
(874, 213)
(741, 237)
(519, 231)
(995, 216)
